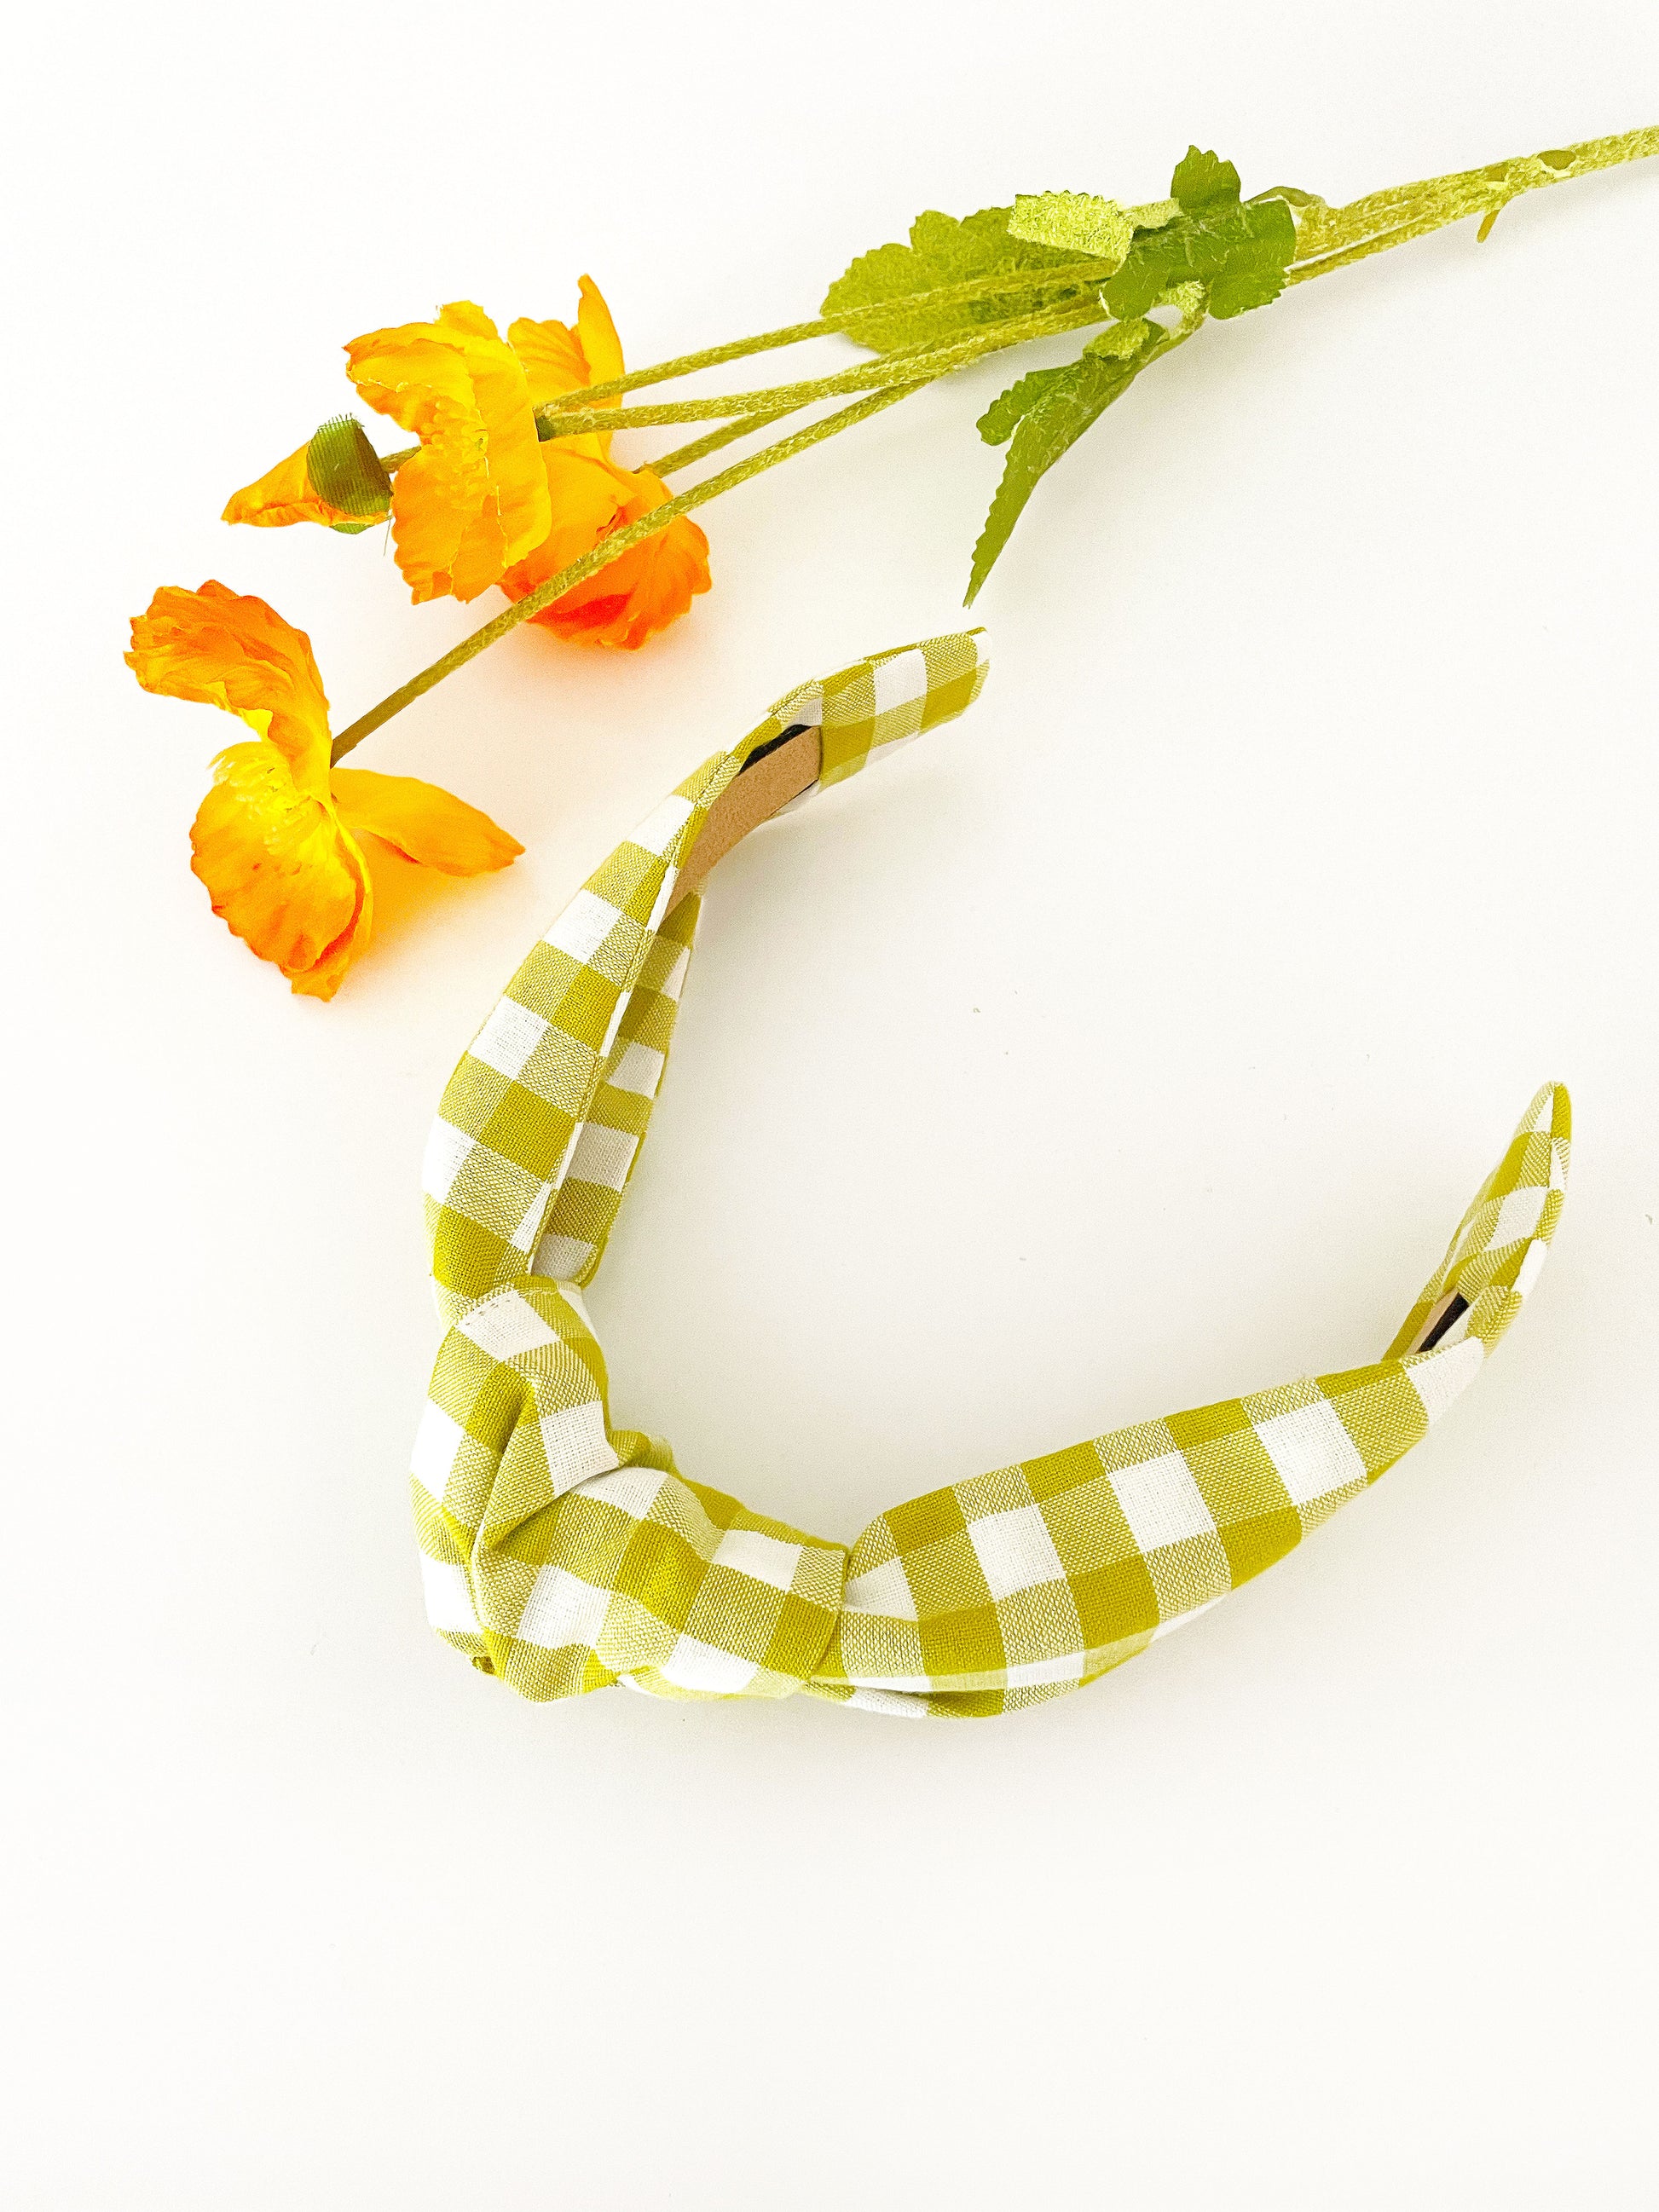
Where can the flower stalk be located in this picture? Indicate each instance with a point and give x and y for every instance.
(1327, 238)
(609, 549)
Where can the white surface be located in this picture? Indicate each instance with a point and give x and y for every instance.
(1307, 824)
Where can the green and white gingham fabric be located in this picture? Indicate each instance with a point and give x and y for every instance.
(564, 1553)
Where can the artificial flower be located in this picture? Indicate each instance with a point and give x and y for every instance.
(483, 501)
(557, 359)
(473, 500)
(642, 591)
(282, 843)
(284, 494)
(647, 587)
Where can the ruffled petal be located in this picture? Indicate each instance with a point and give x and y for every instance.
(282, 870)
(558, 359)
(238, 654)
(474, 499)
(283, 495)
(639, 593)
(552, 357)
(600, 345)
(585, 494)
(423, 822)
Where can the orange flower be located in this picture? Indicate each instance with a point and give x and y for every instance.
(557, 360)
(474, 499)
(637, 594)
(280, 842)
(284, 494)
(484, 501)
(645, 588)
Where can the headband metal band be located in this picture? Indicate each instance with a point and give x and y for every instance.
(565, 1555)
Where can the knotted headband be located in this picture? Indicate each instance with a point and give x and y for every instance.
(564, 1554)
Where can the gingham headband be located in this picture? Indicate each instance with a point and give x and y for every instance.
(564, 1554)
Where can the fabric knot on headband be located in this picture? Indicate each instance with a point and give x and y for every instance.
(564, 1554)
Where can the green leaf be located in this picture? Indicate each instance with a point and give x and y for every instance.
(1202, 181)
(1154, 214)
(345, 470)
(1002, 418)
(1238, 251)
(1045, 414)
(942, 251)
(1076, 222)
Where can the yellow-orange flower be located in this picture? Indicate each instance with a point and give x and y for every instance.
(557, 359)
(283, 495)
(483, 501)
(649, 587)
(638, 594)
(474, 499)
(281, 841)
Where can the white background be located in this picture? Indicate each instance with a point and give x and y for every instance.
(1137, 1042)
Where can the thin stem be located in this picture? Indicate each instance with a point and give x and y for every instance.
(1067, 276)
(608, 550)
(700, 448)
(775, 401)
(913, 366)
(1327, 239)
(1324, 264)
(868, 376)
(907, 375)
(1332, 238)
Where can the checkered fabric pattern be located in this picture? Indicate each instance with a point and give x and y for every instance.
(541, 1123)
(1000, 1592)
(564, 1554)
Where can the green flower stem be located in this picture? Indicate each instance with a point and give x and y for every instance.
(1332, 238)
(608, 550)
(1066, 276)
(1327, 239)
(910, 367)
(771, 404)
(1320, 230)
(700, 448)
(908, 375)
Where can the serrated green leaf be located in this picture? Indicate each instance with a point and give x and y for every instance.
(1002, 418)
(344, 469)
(1118, 339)
(1238, 251)
(942, 251)
(1154, 214)
(1055, 407)
(1078, 223)
(997, 424)
(1243, 285)
(1202, 181)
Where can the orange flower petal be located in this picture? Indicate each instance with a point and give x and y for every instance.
(423, 822)
(283, 495)
(585, 494)
(639, 593)
(600, 344)
(282, 870)
(474, 499)
(558, 359)
(239, 654)
(552, 357)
